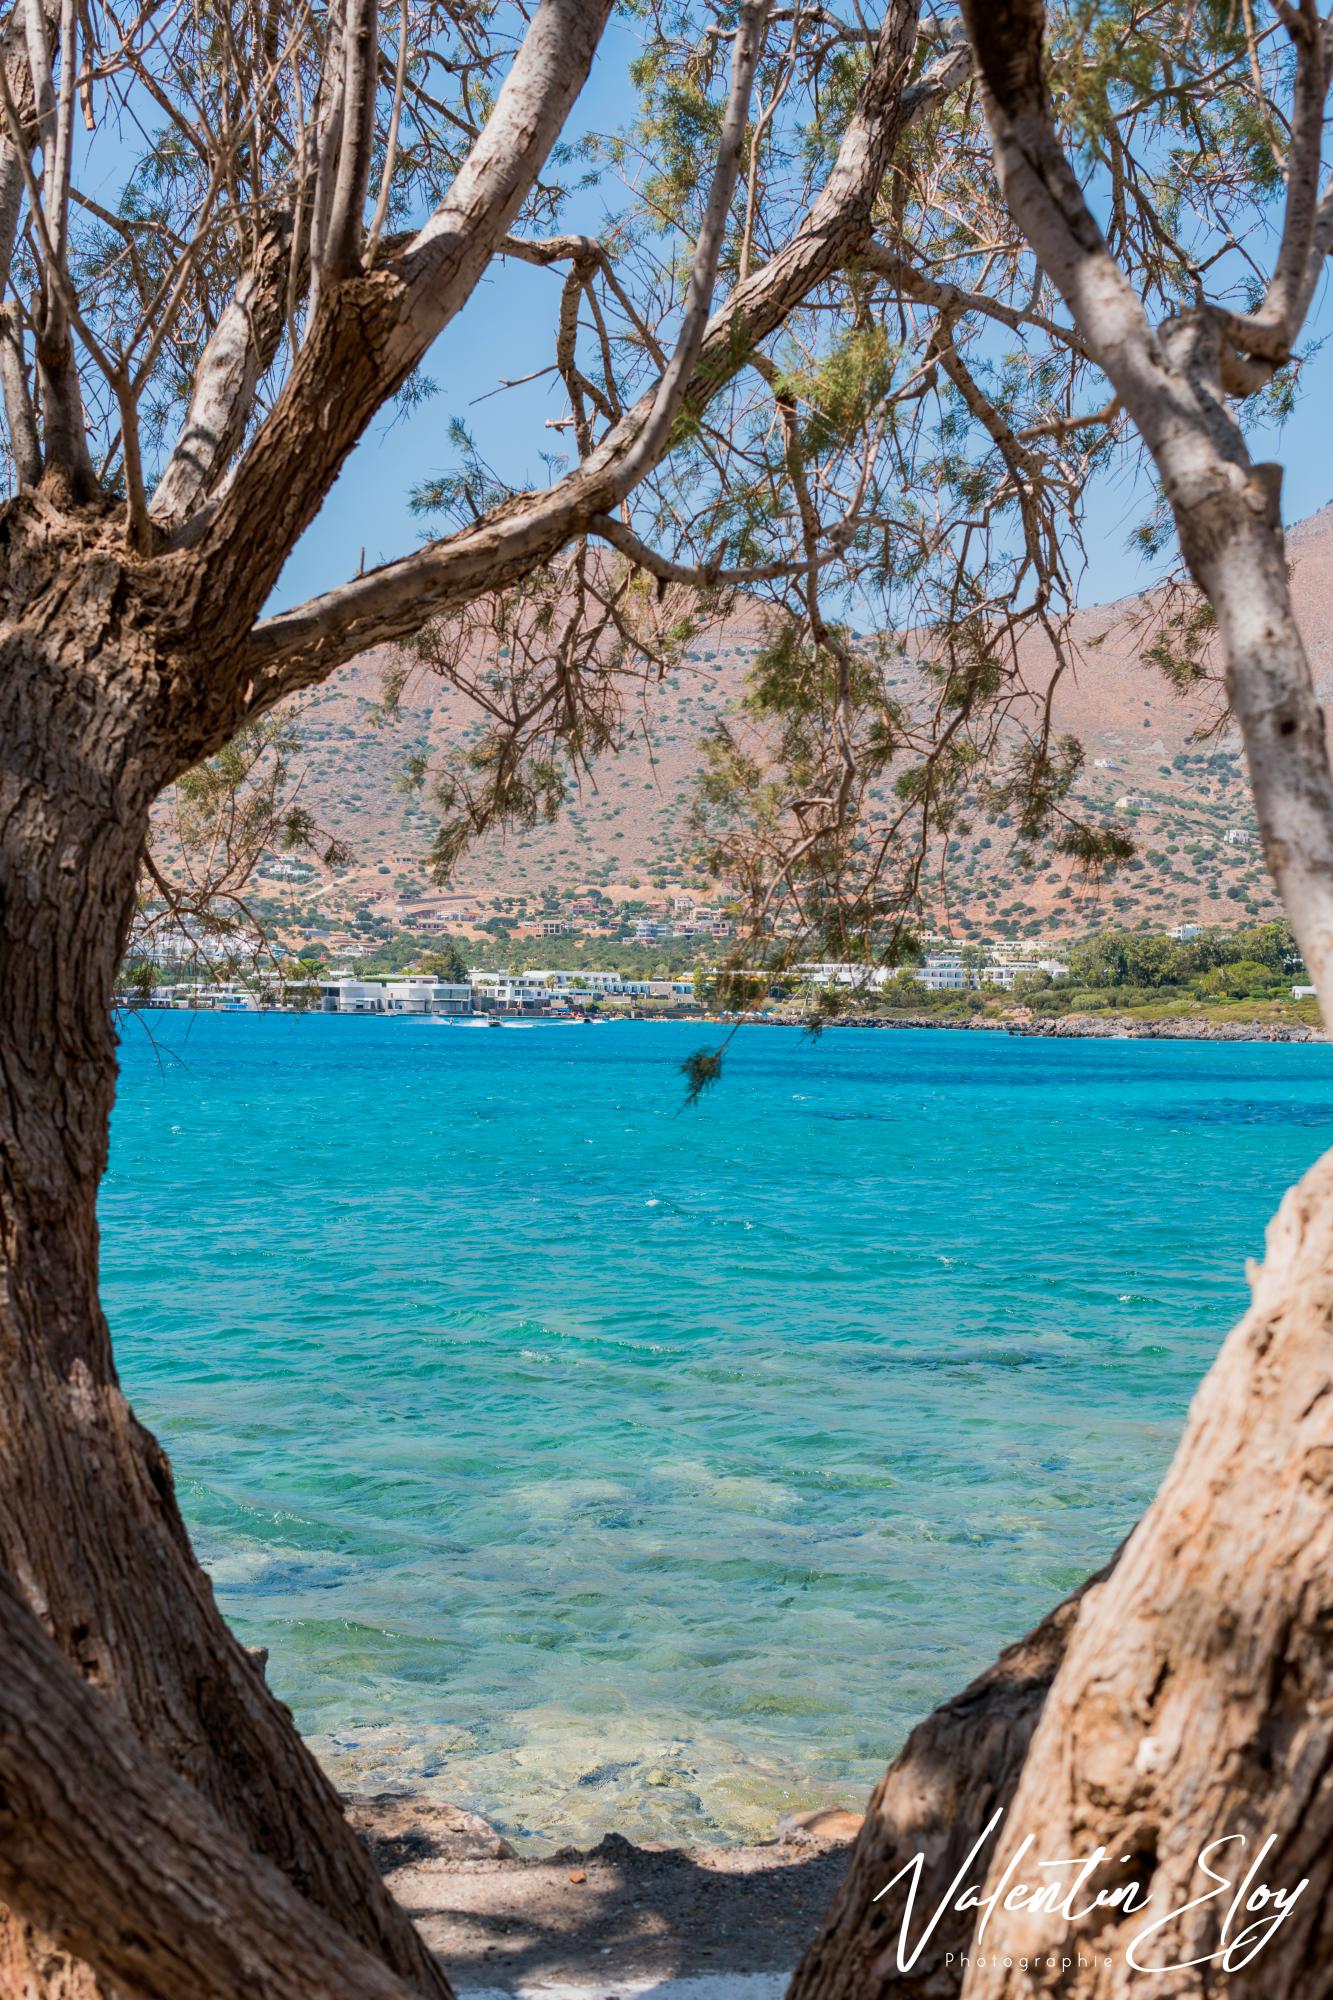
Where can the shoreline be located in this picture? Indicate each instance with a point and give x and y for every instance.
(1040, 1027)
(680, 1923)
(1104, 1027)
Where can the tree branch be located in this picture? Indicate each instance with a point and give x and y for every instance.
(66, 443)
(653, 430)
(370, 330)
(1173, 382)
(1271, 332)
(340, 250)
(20, 420)
(302, 645)
(955, 299)
(708, 575)
(243, 344)
(391, 143)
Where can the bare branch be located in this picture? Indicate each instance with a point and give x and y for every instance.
(66, 444)
(916, 284)
(288, 651)
(243, 345)
(669, 395)
(1272, 332)
(391, 144)
(20, 419)
(370, 330)
(340, 247)
(709, 575)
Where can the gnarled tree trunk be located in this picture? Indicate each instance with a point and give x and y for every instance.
(1195, 1703)
(955, 1771)
(131, 646)
(89, 1526)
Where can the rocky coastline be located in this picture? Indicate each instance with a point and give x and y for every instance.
(1096, 1027)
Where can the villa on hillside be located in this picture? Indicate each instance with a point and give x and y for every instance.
(948, 972)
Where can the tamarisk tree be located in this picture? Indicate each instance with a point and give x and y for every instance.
(834, 350)
(309, 197)
(1182, 1705)
(1196, 1699)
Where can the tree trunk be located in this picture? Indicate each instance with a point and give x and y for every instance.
(1195, 1703)
(1231, 537)
(956, 1769)
(142, 1880)
(1184, 1697)
(89, 1527)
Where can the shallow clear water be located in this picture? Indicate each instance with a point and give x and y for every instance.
(603, 1464)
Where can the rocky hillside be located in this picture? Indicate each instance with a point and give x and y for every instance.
(1155, 760)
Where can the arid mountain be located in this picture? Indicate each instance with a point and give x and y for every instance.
(1154, 761)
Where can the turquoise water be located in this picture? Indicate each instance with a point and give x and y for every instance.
(599, 1464)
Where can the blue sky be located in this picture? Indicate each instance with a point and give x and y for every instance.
(506, 332)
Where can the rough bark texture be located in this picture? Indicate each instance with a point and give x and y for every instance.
(956, 1769)
(126, 654)
(135, 1874)
(1195, 1701)
(1234, 545)
(1196, 1698)
(118, 671)
(89, 1527)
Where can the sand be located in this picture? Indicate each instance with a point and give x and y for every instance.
(614, 1922)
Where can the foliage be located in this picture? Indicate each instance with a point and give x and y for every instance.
(916, 442)
(1114, 959)
(896, 470)
(214, 828)
(447, 960)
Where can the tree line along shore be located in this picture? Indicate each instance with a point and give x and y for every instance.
(1247, 983)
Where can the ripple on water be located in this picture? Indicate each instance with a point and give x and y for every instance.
(598, 1465)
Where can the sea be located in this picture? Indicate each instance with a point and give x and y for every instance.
(600, 1461)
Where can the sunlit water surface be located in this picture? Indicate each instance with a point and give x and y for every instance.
(599, 1463)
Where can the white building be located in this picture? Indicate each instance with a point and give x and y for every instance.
(438, 915)
(420, 993)
(286, 871)
(829, 972)
(944, 972)
(1007, 975)
(348, 995)
(416, 994)
(1182, 933)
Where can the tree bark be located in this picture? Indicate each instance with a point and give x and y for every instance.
(89, 1527)
(1231, 537)
(956, 1769)
(1195, 1703)
(141, 1878)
